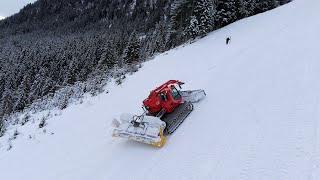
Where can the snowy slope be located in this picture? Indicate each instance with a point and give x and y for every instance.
(260, 119)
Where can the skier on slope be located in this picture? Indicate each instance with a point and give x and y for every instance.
(228, 39)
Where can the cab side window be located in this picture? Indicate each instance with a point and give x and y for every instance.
(163, 96)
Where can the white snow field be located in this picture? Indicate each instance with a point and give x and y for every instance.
(259, 121)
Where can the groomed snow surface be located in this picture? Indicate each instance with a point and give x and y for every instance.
(259, 121)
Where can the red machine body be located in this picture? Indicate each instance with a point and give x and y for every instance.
(165, 97)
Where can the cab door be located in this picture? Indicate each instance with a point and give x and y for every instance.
(174, 99)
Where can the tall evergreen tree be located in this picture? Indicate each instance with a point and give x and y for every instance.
(203, 11)
(249, 7)
(241, 10)
(108, 58)
(160, 37)
(226, 12)
(193, 28)
(131, 55)
(22, 93)
(7, 103)
(180, 16)
(38, 86)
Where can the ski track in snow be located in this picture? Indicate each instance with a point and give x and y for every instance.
(260, 119)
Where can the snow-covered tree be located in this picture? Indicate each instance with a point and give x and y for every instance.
(6, 103)
(180, 14)
(241, 10)
(226, 12)
(193, 28)
(22, 94)
(202, 11)
(38, 84)
(131, 54)
(160, 37)
(108, 57)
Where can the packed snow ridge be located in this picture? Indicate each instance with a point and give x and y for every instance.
(260, 119)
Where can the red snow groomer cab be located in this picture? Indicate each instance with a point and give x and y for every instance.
(164, 99)
(166, 107)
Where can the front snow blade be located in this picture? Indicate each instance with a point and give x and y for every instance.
(149, 130)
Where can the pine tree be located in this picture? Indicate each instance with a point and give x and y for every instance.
(203, 12)
(241, 10)
(131, 54)
(284, 1)
(22, 94)
(262, 5)
(160, 37)
(108, 57)
(265, 5)
(49, 86)
(180, 14)
(70, 74)
(193, 28)
(226, 12)
(2, 85)
(249, 7)
(6, 104)
(274, 3)
(2, 126)
(41, 85)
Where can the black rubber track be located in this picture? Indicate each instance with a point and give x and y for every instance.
(175, 118)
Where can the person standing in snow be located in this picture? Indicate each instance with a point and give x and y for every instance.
(228, 40)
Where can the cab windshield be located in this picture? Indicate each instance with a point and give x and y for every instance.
(175, 94)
